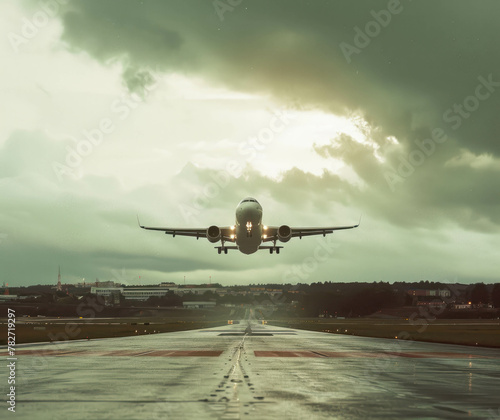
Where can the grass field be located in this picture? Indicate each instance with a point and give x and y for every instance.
(47, 329)
(467, 332)
(474, 332)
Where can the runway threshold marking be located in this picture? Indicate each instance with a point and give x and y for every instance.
(337, 354)
(122, 353)
(279, 353)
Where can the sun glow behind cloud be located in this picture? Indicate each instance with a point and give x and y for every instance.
(207, 125)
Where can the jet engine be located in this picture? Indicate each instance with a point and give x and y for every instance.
(284, 233)
(214, 233)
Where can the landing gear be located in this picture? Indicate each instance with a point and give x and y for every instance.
(221, 248)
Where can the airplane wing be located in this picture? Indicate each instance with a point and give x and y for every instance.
(194, 232)
(272, 231)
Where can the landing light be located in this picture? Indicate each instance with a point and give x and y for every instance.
(264, 236)
(232, 236)
(265, 227)
(232, 227)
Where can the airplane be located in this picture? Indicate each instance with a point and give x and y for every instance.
(248, 233)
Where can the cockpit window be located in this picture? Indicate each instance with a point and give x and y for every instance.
(249, 200)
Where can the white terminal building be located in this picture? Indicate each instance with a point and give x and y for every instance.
(144, 293)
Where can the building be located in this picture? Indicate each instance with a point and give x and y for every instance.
(98, 283)
(5, 298)
(194, 290)
(462, 306)
(198, 305)
(169, 284)
(443, 293)
(130, 293)
(432, 303)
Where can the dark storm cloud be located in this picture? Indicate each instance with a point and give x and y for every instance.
(429, 197)
(426, 66)
(427, 58)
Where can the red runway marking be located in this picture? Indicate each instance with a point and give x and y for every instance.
(417, 354)
(357, 354)
(286, 354)
(190, 353)
(121, 353)
(431, 354)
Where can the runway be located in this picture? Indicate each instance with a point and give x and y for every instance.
(272, 373)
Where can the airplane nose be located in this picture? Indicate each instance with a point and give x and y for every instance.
(250, 214)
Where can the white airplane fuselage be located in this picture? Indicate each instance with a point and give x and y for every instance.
(248, 228)
(248, 233)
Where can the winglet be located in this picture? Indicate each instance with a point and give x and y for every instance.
(359, 220)
(138, 222)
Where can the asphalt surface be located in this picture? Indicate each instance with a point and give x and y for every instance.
(270, 373)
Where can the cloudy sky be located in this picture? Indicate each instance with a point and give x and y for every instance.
(322, 110)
